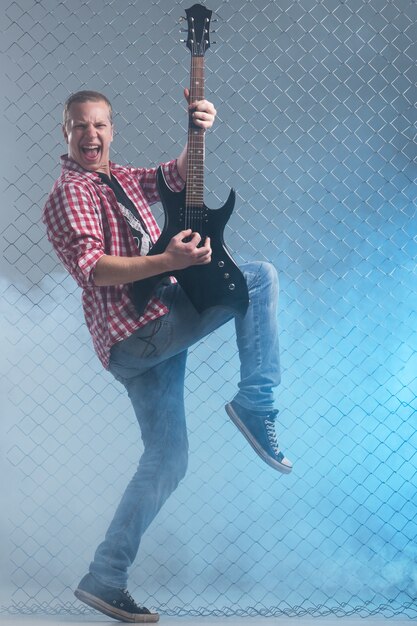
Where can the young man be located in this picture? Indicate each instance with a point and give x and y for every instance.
(86, 216)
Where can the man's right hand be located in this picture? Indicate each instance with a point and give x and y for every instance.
(186, 249)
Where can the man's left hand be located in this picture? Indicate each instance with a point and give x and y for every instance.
(202, 111)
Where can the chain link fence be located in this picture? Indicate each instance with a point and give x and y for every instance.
(317, 132)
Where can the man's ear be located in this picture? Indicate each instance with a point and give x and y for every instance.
(64, 132)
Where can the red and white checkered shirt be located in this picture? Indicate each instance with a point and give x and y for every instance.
(84, 222)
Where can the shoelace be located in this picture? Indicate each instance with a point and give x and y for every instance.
(271, 432)
(129, 597)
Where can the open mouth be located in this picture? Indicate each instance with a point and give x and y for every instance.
(90, 152)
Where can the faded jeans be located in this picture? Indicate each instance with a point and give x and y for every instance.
(151, 365)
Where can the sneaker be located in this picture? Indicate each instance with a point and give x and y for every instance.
(259, 430)
(116, 603)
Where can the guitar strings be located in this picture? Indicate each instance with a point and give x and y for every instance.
(194, 210)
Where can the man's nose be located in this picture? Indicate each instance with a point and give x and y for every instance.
(90, 131)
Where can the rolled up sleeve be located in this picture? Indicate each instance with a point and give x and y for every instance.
(172, 176)
(74, 229)
(147, 180)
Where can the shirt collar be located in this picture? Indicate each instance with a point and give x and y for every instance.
(69, 164)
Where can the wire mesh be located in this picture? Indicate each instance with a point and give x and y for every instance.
(317, 132)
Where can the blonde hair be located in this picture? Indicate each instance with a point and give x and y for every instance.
(86, 96)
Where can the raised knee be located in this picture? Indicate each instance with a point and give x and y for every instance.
(269, 271)
(268, 276)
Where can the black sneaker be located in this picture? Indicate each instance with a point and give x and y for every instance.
(259, 430)
(116, 603)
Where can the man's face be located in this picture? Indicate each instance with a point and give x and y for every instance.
(88, 132)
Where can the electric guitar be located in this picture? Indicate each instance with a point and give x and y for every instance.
(219, 282)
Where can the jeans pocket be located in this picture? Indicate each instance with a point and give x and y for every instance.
(148, 346)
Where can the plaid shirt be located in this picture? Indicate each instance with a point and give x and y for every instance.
(84, 222)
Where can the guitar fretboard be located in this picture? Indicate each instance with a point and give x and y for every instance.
(194, 195)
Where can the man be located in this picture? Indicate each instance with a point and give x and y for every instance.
(99, 222)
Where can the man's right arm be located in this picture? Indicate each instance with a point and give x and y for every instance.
(179, 254)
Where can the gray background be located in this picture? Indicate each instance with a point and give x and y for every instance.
(316, 130)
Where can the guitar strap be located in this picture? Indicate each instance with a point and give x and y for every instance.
(130, 213)
(137, 228)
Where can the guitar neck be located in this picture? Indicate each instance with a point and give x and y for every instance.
(194, 195)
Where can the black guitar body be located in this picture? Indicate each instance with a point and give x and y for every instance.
(218, 283)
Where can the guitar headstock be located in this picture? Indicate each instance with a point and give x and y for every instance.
(198, 38)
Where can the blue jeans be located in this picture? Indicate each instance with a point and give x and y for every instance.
(151, 365)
